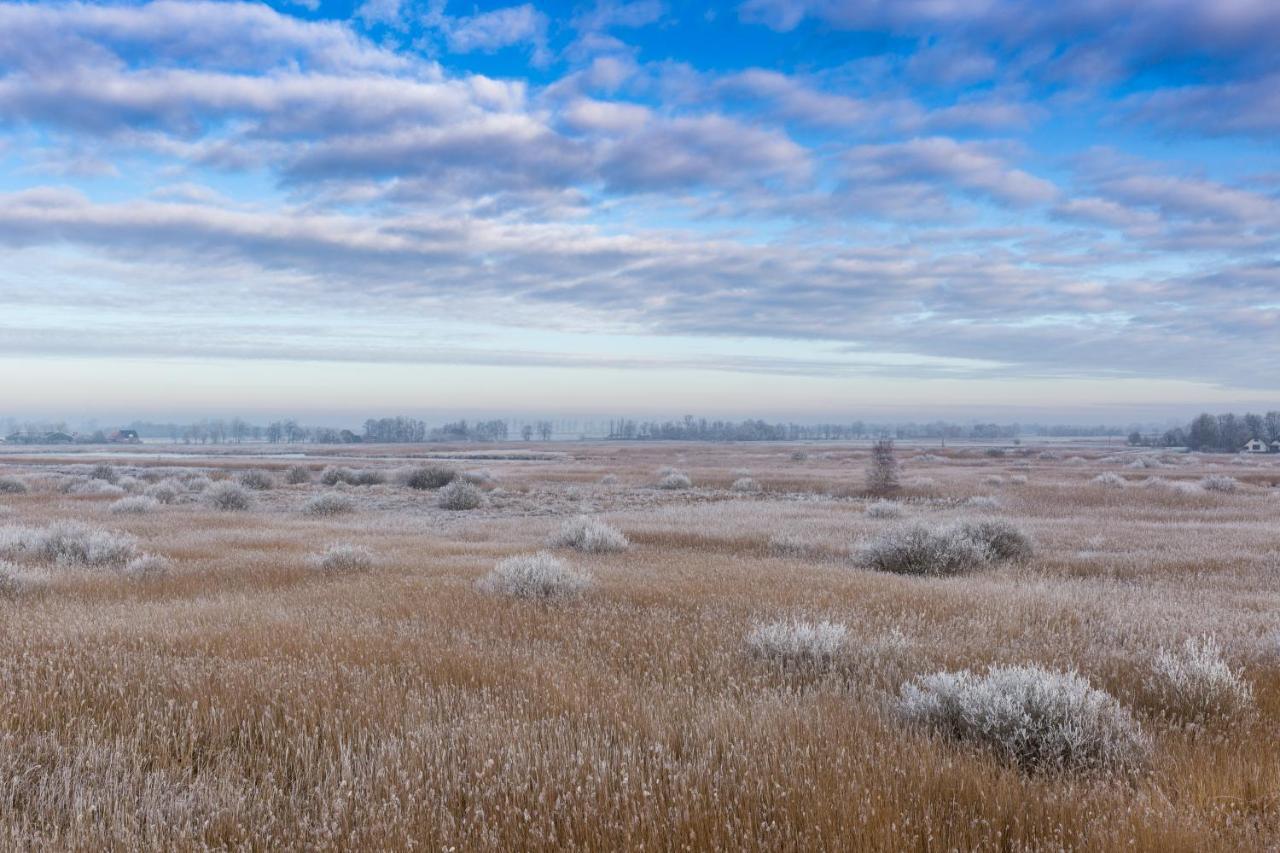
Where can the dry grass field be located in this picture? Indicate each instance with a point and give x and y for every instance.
(246, 685)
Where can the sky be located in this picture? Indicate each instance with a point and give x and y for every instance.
(817, 208)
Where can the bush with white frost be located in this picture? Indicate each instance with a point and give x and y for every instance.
(675, 480)
(17, 580)
(67, 543)
(84, 486)
(1003, 540)
(102, 471)
(329, 504)
(333, 475)
(983, 502)
(1110, 480)
(136, 505)
(459, 495)
(428, 477)
(146, 566)
(342, 557)
(1220, 483)
(801, 644)
(165, 492)
(12, 486)
(541, 576)
(228, 497)
(590, 535)
(297, 475)
(1195, 683)
(1034, 719)
(920, 550)
(884, 509)
(259, 481)
(745, 484)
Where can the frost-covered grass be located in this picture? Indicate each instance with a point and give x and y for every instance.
(335, 474)
(1220, 483)
(675, 480)
(798, 643)
(68, 544)
(459, 495)
(745, 484)
(884, 509)
(1031, 718)
(135, 505)
(344, 557)
(1195, 683)
(228, 497)
(165, 491)
(590, 535)
(1110, 480)
(1003, 540)
(297, 475)
(541, 576)
(17, 581)
(329, 504)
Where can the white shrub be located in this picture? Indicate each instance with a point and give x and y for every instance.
(297, 475)
(1018, 479)
(811, 645)
(919, 550)
(12, 486)
(136, 505)
(259, 481)
(103, 471)
(1110, 480)
(1002, 539)
(329, 504)
(428, 477)
(983, 502)
(17, 580)
(199, 483)
(333, 475)
(590, 535)
(745, 484)
(1031, 718)
(228, 497)
(1220, 483)
(147, 566)
(541, 575)
(67, 543)
(342, 557)
(675, 480)
(884, 509)
(82, 486)
(459, 495)
(165, 492)
(1196, 684)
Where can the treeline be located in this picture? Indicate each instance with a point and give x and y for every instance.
(1217, 433)
(700, 429)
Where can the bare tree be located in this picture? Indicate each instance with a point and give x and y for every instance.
(882, 470)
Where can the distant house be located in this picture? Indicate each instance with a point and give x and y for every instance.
(1254, 445)
(124, 436)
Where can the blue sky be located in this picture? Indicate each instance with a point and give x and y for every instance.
(767, 207)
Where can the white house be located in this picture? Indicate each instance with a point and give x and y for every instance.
(1255, 445)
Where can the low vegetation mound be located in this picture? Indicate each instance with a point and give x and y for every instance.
(1196, 684)
(537, 576)
(344, 557)
(1035, 719)
(17, 581)
(12, 486)
(228, 497)
(333, 475)
(430, 477)
(745, 484)
(259, 481)
(135, 505)
(1220, 483)
(884, 509)
(591, 536)
(460, 495)
(165, 492)
(68, 544)
(1110, 480)
(675, 480)
(797, 643)
(1004, 541)
(297, 475)
(329, 504)
(920, 550)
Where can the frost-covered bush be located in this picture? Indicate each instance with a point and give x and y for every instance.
(745, 484)
(884, 509)
(920, 550)
(165, 492)
(342, 557)
(1220, 483)
(102, 471)
(1034, 719)
(1003, 540)
(297, 475)
(459, 495)
(983, 502)
(541, 575)
(590, 535)
(1110, 480)
(333, 475)
(428, 477)
(329, 504)
(136, 505)
(130, 484)
(18, 580)
(1194, 683)
(810, 645)
(12, 486)
(478, 478)
(67, 543)
(259, 481)
(675, 480)
(228, 496)
(199, 483)
(84, 486)
(146, 566)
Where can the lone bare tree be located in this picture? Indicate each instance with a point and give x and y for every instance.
(882, 470)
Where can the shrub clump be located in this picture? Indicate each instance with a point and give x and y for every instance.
(428, 477)
(801, 644)
(539, 576)
(228, 497)
(67, 543)
(884, 509)
(1003, 540)
(297, 475)
(342, 557)
(1195, 683)
(1034, 719)
(17, 581)
(590, 535)
(146, 566)
(329, 504)
(259, 481)
(12, 486)
(1110, 480)
(675, 480)
(333, 475)
(136, 505)
(165, 492)
(459, 495)
(745, 484)
(919, 550)
(103, 471)
(1220, 483)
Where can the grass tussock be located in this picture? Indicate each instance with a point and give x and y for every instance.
(590, 536)
(344, 557)
(135, 505)
(541, 576)
(69, 544)
(798, 643)
(329, 504)
(1194, 683)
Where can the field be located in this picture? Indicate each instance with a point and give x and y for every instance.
(230, 690)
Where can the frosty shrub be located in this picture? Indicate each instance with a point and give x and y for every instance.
(1109, 480)
(136, 505)
(590, 535)
(1034, 719)
(807, 645)
(919, 550)
(297, 475)
(342, 557)
(882, 468)
(1220, 483)
(1002, 539)
(12, 486)
(793, 545)
(1194, 683)
(799, 456)
(83, 486)
(199, 483)
(130, 484)
(17, 581)
(675, 480)
(146, 566)
(477, 478)
(329, 504)
(983, 502)
(165, 492)
(228, 496)
(259, 481)
(333, 475)
(459, 496)
(430, 477)
(67, 543)
(541, 575)
(884, 509)
(745, 484)
(103, 471)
